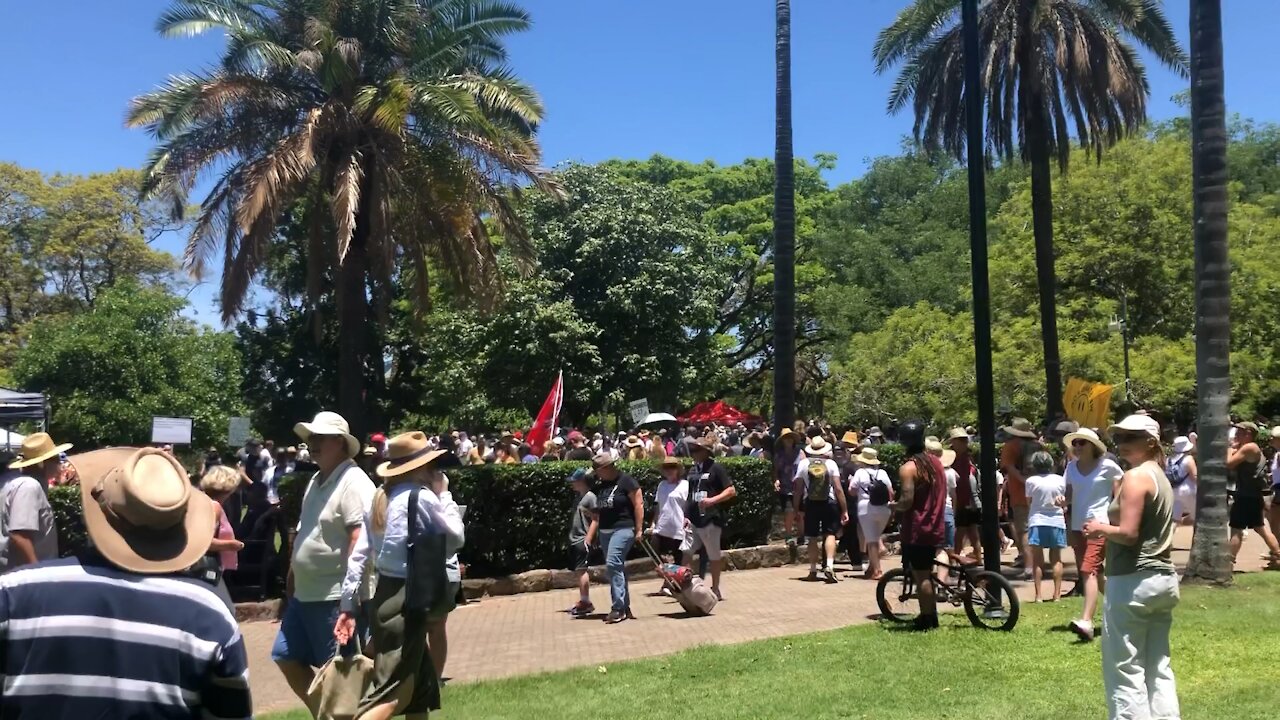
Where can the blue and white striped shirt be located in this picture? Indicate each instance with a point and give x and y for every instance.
(80, 638)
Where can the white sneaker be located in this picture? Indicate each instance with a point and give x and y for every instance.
(859, 568)
(1082, 630)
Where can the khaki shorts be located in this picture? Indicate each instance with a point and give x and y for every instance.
(1020, 514)
(708, 537)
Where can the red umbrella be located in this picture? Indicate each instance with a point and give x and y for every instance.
(718, 412)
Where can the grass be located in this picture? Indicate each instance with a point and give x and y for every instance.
(1224, 651)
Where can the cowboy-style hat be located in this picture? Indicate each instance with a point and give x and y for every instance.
(818, 447)
(1021, 427)
(602, 460)
(1088, 435)
(329, 423)
(141, 510)
(702, 444)
(407, 452)
(957, 433)
(786, 433)
(633, 441)
(671, 461)
(868, 456)
(36, 448)
(850, 438)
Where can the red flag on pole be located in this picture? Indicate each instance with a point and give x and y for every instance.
(544, 427)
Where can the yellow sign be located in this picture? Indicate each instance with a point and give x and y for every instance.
(1088, 403)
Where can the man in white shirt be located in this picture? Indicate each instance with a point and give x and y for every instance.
(333, 511)
(819, 494)
(27, 531)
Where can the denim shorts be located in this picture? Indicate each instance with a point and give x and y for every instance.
(306, 633)
(1047, 537)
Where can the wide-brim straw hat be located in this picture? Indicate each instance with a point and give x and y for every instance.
(408, 452)
(948, 458)
(850, 438)
(141, 510)
(818, 447)
(875, 432)
(329, 423)
(36, 448)
(1086, 434)
(1021, 427)
(633, 442)
(1144, 424)
(671, 461)
(703, 444)
(786, 433)
(957, 433)
(933, 444)
(868, 456)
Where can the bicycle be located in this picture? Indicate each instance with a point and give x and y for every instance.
(988, 598)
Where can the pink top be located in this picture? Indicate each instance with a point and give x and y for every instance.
(228, 558)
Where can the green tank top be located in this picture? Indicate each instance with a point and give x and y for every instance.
(1153, 552)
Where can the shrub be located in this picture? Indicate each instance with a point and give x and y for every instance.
(518, 515)
(67, 515)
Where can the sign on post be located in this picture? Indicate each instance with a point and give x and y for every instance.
(639, 410)
(170, 430)
(237, 431)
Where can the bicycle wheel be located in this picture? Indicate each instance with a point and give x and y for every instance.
(991, 602)
(896, 596)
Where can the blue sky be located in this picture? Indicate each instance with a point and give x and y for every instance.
(621, 78)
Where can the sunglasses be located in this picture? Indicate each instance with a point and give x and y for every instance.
(1080, 443)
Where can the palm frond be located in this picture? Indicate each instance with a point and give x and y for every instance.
(912, 28)
(187, 18)
(346, 201)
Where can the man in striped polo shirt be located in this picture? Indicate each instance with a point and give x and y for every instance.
(120, 631)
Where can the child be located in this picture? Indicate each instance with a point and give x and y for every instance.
(582, 536)
(1047, 521)
(668, 518)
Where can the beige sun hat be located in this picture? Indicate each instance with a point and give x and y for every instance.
(818, 447)
(406, 452)
(1021, 427)
(868, 456)
(933, 445)
(957, 433)
(36, 448)
(141, 511)
(1089, 435)
(329, 423)
(948, 458)
(1144, 424)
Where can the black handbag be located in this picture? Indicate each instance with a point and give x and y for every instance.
(426, 582)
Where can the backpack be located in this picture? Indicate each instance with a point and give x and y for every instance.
(1176, 469)
(819, 482)
(879, 492)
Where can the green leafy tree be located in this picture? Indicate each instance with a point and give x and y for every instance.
(1049, 67)
(107, 371)
(400, 123)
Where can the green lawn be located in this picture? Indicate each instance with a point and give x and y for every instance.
(1224, 653)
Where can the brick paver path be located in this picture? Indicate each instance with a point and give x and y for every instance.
(522, 634)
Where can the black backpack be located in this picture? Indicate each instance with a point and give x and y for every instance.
(879, 493)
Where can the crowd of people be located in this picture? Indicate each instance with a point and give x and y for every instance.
(161, 540)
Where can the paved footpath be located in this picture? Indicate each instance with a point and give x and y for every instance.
(530, 633)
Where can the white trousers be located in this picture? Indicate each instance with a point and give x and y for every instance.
(1137, 613)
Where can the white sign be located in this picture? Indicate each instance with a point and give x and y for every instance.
(639, 410)
(170, 431)
(238, 431)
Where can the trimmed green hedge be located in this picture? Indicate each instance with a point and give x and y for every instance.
(518, 515)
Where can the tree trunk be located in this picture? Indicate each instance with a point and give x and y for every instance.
(1046, 278)
(1210, 559)
(353, 329)
(784, 235)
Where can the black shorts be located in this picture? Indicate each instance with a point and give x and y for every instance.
(670, 546)
(580, 557)
(786, 501)
(918, 557)
(821, 518)
(967, 517)
(1246, 513)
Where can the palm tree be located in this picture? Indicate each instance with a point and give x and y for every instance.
(1047, 65)
(395, 124)
(784, 233)
(1210, 559)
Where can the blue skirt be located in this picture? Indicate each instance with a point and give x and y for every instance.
(1047, 537)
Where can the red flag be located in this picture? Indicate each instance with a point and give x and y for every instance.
(544, 427)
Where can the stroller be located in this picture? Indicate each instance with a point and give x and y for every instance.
(688, 589)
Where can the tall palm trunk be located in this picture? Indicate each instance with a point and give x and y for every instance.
(353, 325)
(1210, 558)
(1037, 147)
(784, 235)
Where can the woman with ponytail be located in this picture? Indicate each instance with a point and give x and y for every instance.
(923, 504)
(405, 680)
